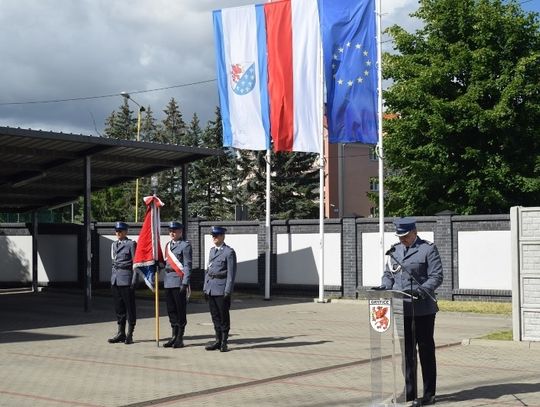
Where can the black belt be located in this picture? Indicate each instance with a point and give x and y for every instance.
(221, 277)
(123, 268)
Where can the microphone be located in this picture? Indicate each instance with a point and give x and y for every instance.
(390, 251)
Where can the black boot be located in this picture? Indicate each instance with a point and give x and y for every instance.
(170, 342)
(217, 344)
(129, 336)
(224, 338)
(120, 335)
(179, 341)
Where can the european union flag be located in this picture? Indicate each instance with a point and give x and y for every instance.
(350, 67)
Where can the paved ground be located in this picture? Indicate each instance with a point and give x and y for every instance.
(284, 352)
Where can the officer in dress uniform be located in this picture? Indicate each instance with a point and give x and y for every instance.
(415, 267)
(176, 282)
(123, 281)
(218, 287)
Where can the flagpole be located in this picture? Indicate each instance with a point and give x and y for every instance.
(321, 226)
(380, 151)
(157, 225)
(156, 301)
(267, 229)
(321, 178)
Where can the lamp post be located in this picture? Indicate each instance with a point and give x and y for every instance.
(126, 96)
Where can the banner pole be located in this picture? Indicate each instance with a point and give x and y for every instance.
(156, 226)
(268, 247)
(380, 151)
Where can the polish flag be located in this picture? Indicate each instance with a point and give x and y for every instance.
(294, 75)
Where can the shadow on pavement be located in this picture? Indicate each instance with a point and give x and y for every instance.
(11, 337)
(491, 392)
(52, 308)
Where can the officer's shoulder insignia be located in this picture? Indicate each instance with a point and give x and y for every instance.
(428, 242)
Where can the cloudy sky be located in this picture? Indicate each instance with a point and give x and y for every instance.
(91, 50)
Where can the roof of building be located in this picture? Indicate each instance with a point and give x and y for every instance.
(42, 169)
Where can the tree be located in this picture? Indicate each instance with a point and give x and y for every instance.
(210, 188)
(118, 202)
(466, 90)
(121, 125)
(294, 189)
(172, 130)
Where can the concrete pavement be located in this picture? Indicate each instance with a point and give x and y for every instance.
(284, 352)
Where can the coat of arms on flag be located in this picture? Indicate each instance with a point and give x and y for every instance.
(380, 312)
(243, 77)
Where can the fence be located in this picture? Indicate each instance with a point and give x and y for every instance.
(475, 251)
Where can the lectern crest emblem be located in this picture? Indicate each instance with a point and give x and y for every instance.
(380, 312)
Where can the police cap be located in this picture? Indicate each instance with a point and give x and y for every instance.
(121, 226)
(218, 230)
(404, 225)
(175, 225)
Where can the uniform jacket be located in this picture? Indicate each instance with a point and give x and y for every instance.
(221, 271)
(122, 252)
(423, 263)
(182, 250)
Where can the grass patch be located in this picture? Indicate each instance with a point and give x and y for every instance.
(499, 336)
(479, 307)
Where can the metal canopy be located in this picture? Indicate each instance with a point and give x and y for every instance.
(41, 169)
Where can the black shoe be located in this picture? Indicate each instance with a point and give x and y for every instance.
(178, 342)
(213, 346)
(416, 403)
(119, 337)
(428, 400)
(224, 347)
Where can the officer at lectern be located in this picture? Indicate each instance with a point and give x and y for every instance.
(414, 266)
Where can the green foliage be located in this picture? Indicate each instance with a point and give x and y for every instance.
(121, 125)
(294, 190)
(466, 89)
(209, 183)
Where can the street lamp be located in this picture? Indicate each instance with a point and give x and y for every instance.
(126, 96)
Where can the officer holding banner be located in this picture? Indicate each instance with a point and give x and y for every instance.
(415, 267)
(123, 281)
(218, 287)
(178, 254)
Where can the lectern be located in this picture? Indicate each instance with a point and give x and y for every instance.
(387, 360)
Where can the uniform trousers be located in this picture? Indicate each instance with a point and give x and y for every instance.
(219, 310)
(176, 306)
(124, 304)
(424, 329)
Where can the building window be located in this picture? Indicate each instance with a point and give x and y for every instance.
(373, 153)
(374, 184)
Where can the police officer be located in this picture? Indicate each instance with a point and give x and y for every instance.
(123, 281)
(414, 266)
(218, 286)
(176, 282)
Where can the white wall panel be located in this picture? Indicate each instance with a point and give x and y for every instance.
(57, 258)
(484, 260)
(298, 258)
(16, 259)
